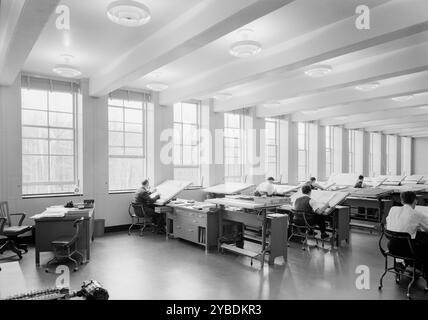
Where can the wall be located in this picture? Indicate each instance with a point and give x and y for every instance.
(420, 156)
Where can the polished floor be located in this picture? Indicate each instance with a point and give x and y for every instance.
(151, 267)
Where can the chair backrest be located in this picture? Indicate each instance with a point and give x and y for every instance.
(400, 240)
(299, 218)
(77, 223)
(4, 212)
(136, 210)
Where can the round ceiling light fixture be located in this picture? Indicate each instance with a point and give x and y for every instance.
(66, 71)
(318, 71)
(402, 98)
(365, 87)
(128, 13)
(222, 96)
(157, 86)
(245, 47)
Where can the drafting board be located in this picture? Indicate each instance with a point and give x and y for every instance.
(343, 179)
(413, 179)
(333, 198)
(229, 188)
(284, 188)
(375, 182)
(408, 187)
(393, 180)
(169, 189)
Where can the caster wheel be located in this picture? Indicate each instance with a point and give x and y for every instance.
(20, 257)
(304, 249)
(380, 288)
(75, 269)
(408, 296)
(426, 289)
(46, 270)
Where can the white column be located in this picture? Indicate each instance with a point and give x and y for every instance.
(398, 164)
(288, 151)
(321, 154)
(383, 154)
(345, 150)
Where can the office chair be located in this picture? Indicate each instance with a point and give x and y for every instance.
(139, 218)
(299, 227)
(12, 232)
(66, 246)
(406, 253)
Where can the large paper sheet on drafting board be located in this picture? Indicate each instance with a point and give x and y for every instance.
(169, 189)
(343, 179)
(229, 188)
(333, 198)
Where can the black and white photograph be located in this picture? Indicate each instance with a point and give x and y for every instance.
(197, 153)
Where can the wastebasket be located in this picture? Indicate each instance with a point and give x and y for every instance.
(99, 227)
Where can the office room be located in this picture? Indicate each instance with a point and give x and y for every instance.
(214, 150)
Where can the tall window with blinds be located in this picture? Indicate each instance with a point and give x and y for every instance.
(375, 154)
(329, 150)
(233, 153)
(272, 147)
(186, 143)
(303, 151)
(49, 137)
(391, 154)
(355, 149)
(406, 156)
(127, 156)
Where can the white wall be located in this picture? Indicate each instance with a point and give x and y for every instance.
(420, 156)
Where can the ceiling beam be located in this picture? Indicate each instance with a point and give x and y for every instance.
(398, 127)
(387, 121)
(204, 23)
(406, 131)
(21, 22)
(394, 64)
(325, 43)
(415, 84)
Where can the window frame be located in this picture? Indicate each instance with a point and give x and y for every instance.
(276, 145)
(240, 139)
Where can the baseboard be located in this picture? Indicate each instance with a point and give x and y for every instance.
(123, 227)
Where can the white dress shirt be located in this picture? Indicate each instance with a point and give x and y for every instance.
(406, 219)
(266, 187)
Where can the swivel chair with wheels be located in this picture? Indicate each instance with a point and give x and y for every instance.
(11, 232)
(406, 252)
(139, 218)
(302, 228)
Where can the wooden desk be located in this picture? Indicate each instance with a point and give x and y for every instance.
(49, 229)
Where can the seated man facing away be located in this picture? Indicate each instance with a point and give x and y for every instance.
(143, 196)
(314, 184)
(360, 183)
(408, 219)
(266, 188)
(315, 212)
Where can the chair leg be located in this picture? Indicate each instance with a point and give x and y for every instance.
(22, 247)
(383, 275)
(12, 246)
(130, 228)
(411, 282)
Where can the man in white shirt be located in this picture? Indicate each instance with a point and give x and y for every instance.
(410, 220)
(266, 188)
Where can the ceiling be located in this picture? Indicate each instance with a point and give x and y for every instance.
(187, 42)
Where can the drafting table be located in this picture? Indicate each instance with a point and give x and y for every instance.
(169, 189)
(370, 205)
(286, 189)
(392, 180)
(342, 180)
(338, 220)
(228, 188)
(413, 179)
(50, 227)
(421, 191)
(249, 213)
(333, 198)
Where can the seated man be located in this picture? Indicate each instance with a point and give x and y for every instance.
(408, 219)
(314, 184)
(360, 183)
(266, 188)
(143, 196)
(315, 212)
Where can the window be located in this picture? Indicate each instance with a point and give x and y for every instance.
(375, 154)
(49, 137)
(127, 156)
(355, 151)
(303, 151)
(233, 158)
(329, 150)
(186, 142)
(406, 156)
(272, 147)
(391, 155)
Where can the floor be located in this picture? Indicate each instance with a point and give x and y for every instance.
(151, 267)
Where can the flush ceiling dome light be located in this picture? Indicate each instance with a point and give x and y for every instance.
(222, 96)
(67, 71)
(402, 98)
(128, 13)
(157, 86)
(368, 86)
(318, 71)
(245, 47)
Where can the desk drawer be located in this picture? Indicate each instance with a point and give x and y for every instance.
(185, 231)
(190, 217)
